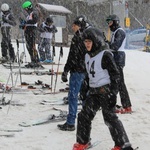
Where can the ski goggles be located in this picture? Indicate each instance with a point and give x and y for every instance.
(109, 21)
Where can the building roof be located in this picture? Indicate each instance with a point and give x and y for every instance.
(55, 8)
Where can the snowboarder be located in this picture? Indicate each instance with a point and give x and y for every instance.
(75, 64)
(117, 44)
(103, 87)
(30, 27)
(7, 21)
(47, 30)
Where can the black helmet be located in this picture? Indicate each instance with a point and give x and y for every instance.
(115, 20)
(49, 20)
(96, 36)
(80, 21)
(112, 18)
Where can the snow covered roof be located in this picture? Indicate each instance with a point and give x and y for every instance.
(55, 8)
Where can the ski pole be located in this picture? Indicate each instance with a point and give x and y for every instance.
(60, 55)
(136, 19)
(53, 54)
(10, 101)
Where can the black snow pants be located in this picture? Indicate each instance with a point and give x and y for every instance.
(6, 46)
(85, 117)
(30, 37)
(124, 96)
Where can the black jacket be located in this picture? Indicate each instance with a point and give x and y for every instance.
(108, 63)
(76, 57)
(8, 18)
(34, 20)
(119, 56)
(119, 37)
(46, 28)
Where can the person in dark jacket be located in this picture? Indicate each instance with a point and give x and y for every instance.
(103, 86)
(117, 44)
(47, 29)
(85, 84)
(29, 25)
(76, 66)
(7, 21)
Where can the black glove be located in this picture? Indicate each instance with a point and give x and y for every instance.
(4, 19)
(64, 77)
(112, 100)
(22, 24)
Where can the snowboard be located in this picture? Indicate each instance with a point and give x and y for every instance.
(49, 119)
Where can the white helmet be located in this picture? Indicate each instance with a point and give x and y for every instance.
(4, 7)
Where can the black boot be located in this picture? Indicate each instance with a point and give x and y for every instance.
(66, 127)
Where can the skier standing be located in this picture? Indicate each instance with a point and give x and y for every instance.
(103, 87)
(75, 64)
(47, 30)
(117, 44)
(30, 28)
(7, 21)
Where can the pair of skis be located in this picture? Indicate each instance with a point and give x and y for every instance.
(16, 63)
(51, 118)
(9, 131)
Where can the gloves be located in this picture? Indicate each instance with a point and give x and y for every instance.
(22, 24)
(64, 77)
(112, 100)
(4, 19)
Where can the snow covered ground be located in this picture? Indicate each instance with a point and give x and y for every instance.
(48, 137)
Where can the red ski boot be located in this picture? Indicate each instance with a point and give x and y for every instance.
(78, 146)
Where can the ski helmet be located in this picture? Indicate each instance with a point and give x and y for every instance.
(27, 4)
(96, 36)
(80, 21)
(49, 20)
(4, 7)
(115, 20)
